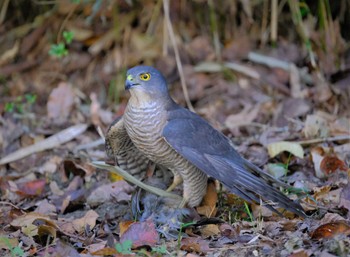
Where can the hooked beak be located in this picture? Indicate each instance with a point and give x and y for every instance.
(129, 82)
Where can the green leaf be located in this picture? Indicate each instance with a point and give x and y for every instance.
(68, 36)
(9, 107)
(58, 50)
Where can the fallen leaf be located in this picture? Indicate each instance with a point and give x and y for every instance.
(124, 226)
(229, 231)
(331, 230)
(315, 126)
(209, 230)
(208, 206)
(195, 244)
(88, 221)
(141, 233)
(60, 103)
(105, 251)
(118, 191)
(246, 116)
(331, 164)
(29, 218)
(31, 188)
(291, 147)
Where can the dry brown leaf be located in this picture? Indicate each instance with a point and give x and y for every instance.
(208, 206)
(31, 188)
(229, 231)
(315, 126)
(331, 164)
(105, 251)
(246, 116)
(88, 221)
(118, 191)
(124, 225)
(331, 230)
(60, 103)
(29, 218)
(195, 244)
(209, 230)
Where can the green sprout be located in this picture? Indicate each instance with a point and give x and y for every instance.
(124, 247)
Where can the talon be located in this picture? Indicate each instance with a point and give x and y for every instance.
(176, 181)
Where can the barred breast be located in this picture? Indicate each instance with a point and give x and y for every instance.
(144, 126)
(121, 149)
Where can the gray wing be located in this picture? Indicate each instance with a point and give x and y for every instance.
(210, 151)
(123, 152)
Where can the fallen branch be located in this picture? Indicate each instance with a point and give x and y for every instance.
(61, 137)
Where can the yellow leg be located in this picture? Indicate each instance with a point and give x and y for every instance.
(183, 203)
(176, 181)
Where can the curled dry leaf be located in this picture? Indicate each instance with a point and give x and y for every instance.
(291, 147)
(331, 230)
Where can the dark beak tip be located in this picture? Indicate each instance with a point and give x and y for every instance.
(128, 84)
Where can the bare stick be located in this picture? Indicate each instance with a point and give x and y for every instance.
(177, 55)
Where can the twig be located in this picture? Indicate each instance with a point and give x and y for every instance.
(327, 139)
(133, 180)
(53, 141)
(4, 10)
(11, 204)
(274, 21)
(177, 55)
(273, 62)
(64, 23)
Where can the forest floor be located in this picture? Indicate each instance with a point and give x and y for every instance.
(285, 108)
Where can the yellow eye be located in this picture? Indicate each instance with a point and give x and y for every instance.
(145, 76)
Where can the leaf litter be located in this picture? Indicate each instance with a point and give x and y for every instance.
(281, 112)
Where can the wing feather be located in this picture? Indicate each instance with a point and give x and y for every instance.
(210, 151)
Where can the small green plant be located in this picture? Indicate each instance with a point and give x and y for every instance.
(21, 104)
(124, 247)
(14, 251)
(160, 250)
(59, 50)
(183, 225)
(247, 210)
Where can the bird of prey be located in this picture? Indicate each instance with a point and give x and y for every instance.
(156, 128)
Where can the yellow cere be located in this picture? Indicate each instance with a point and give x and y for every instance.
(129, 77)
(145, 76)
